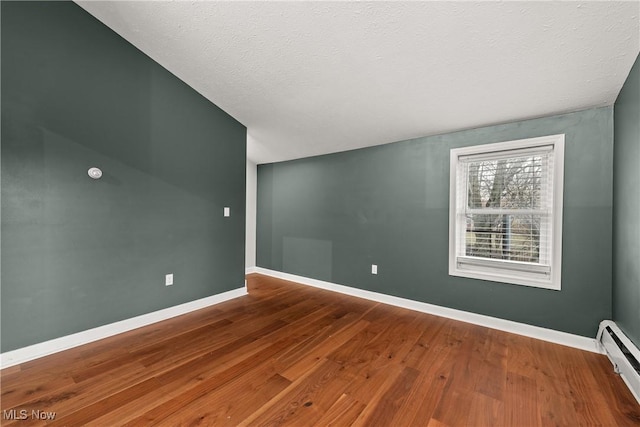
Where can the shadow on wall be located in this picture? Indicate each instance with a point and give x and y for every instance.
(79, 253)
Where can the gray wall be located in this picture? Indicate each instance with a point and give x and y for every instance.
(626, 207)
(78, 253)
(252, 182)
(331, 217)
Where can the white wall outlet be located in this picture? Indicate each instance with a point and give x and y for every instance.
(227, 211)
(374, 269)
(168, 279)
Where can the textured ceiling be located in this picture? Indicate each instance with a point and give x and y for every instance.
(310, 78)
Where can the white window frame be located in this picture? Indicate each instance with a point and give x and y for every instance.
(510, 271)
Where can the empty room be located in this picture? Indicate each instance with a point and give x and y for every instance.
(315, 213)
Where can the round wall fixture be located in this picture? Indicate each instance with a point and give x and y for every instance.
(95, 173)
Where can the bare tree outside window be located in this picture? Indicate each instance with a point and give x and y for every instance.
(504, 208)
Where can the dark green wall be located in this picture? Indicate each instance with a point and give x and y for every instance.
(331, 217)
(626, 207)
(79, 253)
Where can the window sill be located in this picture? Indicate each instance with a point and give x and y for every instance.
(505, 277)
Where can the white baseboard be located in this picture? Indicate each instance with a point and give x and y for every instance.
(250, 270)
(550, 335)
(35, 351)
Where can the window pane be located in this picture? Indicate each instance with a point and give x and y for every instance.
(511, 183)
(505, 237)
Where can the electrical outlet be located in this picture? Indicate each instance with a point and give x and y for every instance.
(374, 269)
(227, 211)
(168, 279)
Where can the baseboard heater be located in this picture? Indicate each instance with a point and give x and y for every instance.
(622, 353)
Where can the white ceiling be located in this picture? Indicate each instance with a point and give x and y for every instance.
(310, 78)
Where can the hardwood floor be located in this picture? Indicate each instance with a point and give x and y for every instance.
(288, 354)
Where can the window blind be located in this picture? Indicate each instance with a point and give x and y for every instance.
(505, 210)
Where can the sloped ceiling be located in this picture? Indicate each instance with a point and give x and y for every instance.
(310, 78)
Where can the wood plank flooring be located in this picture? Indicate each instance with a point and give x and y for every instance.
(287, 354)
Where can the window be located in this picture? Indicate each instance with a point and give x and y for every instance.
(505, 214)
